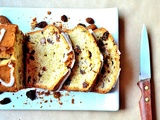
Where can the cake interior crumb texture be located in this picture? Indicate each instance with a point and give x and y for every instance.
(88, 60)
(49, 57)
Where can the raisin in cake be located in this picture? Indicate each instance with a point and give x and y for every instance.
(111, 67)
(88, 60)
(11, 58)
(49, 59)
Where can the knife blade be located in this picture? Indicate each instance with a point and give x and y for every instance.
(145, 77)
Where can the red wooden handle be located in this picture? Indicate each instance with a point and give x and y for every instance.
(145, 100)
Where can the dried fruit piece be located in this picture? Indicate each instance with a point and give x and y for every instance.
(57, 37)
(82, 71)
(90, 20)
(44, 68)
(32, 52)
(31, 57)
(92, 27)
(31, 94)
(77, 50)
(67, 82)
(50, 41)
(57, 95)
(64, 18)
(42, 24)
(105, 35)
(85, 85)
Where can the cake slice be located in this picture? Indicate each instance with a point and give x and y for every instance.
(88, 60)
(49, 58)
(111, 67)
(11, 58)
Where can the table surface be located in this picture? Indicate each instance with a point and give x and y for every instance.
(132, 15)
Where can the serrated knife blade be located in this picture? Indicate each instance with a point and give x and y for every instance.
(144, 77)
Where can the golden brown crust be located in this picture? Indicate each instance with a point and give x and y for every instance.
(111, 68)
(11, 59)
(6, 44)
(4, 20)
(5, 76)
(9, 37)
(6, 53)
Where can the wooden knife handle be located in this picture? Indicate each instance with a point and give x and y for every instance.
(145, 100)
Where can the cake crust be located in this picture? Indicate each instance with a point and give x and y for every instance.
(11, 59)
(8, 40)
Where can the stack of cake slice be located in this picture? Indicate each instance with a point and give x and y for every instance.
(78, 60)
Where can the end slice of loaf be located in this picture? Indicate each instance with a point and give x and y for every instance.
(49, 58)
(88, 60)
(111, 66)
(11, 58)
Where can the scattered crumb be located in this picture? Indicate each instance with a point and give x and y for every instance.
(41, 97)
(33, 23)
(64, 18)
(60, 103)
(72, 101)
(90, 20)
(58, 24)
(49, 12)
(47, 93)
(66, 94)
(45, 101)
(34, 19)
(57, 95)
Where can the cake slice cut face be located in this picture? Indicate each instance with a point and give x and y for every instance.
(88, 60)
(11, 58)
(111, 67)
(49, 58)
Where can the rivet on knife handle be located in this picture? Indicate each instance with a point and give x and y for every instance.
(145, 100)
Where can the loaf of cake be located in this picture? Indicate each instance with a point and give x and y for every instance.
(49, 58)
(88, 60)
(111, 55)
(11, 58)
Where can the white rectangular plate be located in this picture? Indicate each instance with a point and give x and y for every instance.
(107, 18)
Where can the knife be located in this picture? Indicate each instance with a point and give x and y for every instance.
(144, 78)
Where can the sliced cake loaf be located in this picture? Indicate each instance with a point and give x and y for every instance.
(49, 58)
(88, 60)
(11, 58)
(111, 67)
